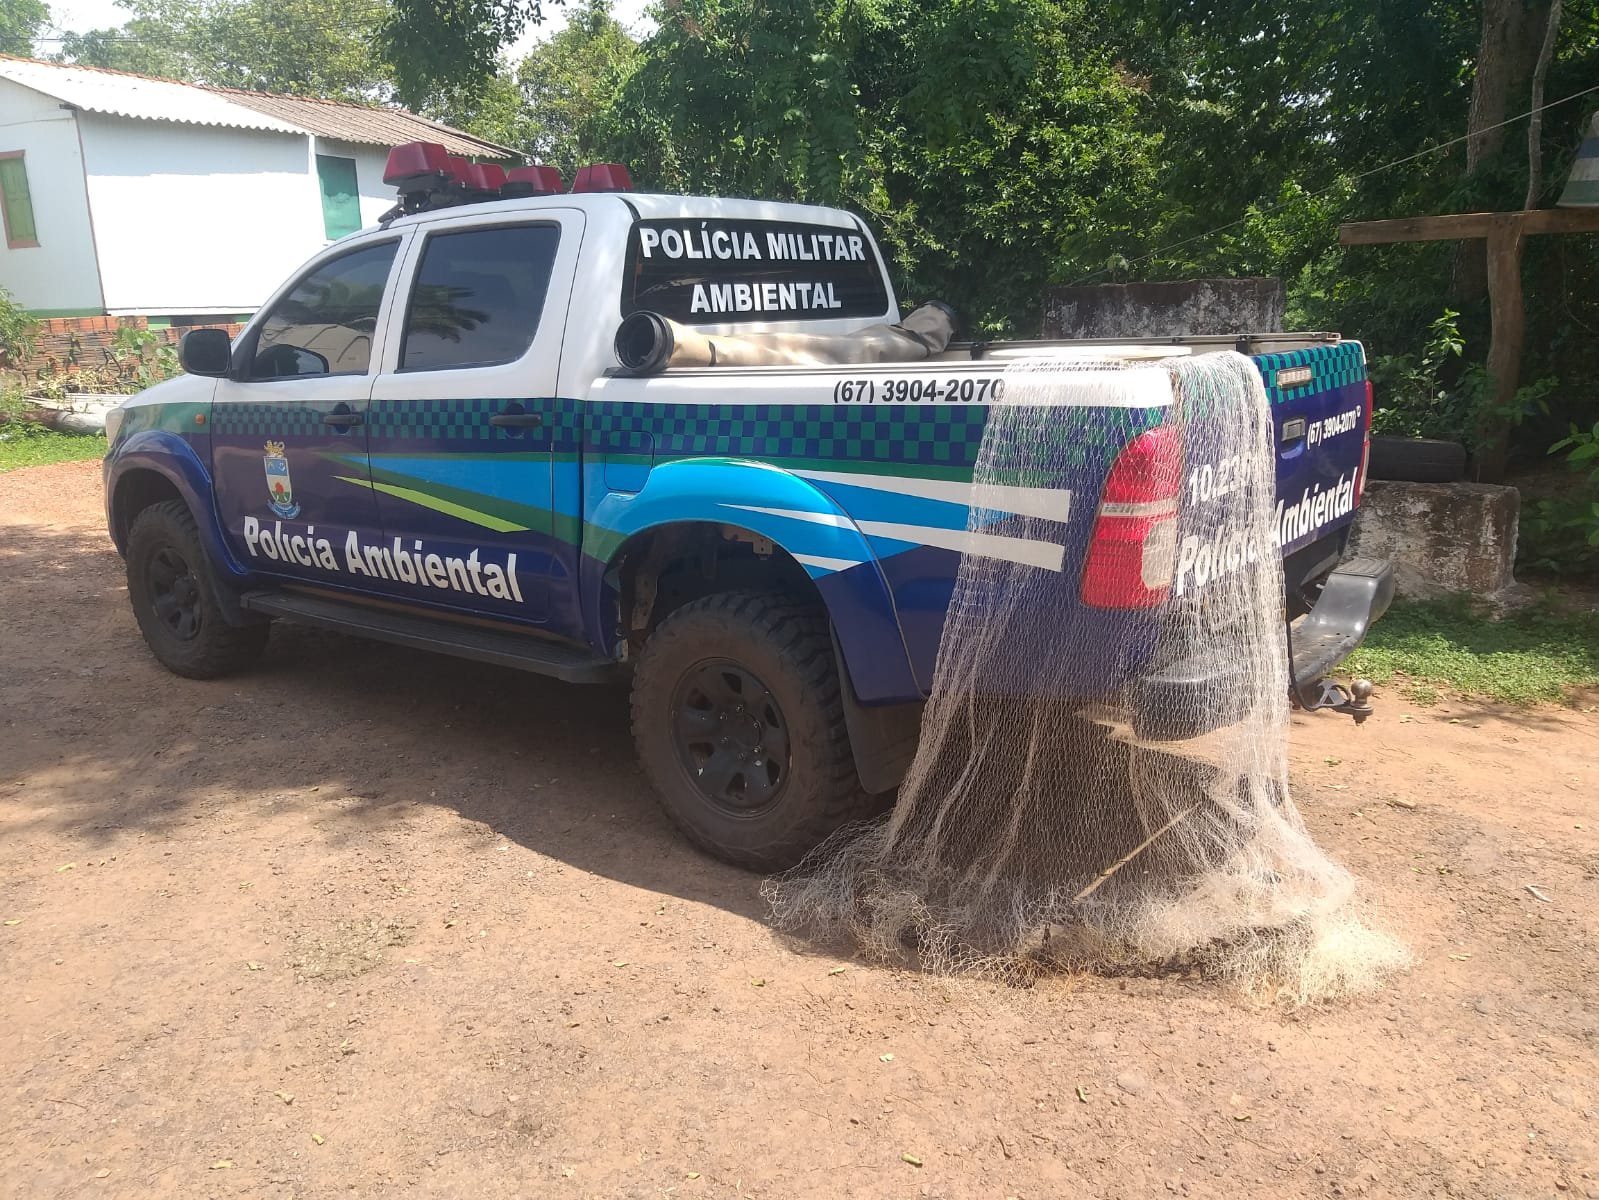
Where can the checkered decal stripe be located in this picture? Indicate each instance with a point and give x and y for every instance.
(431, 420)
(931, 434)
(1331, 367)
(451, 420)
(922, 434)
(290, 419)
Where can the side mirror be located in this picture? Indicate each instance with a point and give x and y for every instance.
(206, 352)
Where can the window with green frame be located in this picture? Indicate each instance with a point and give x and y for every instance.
(341, 199)
(16, 202)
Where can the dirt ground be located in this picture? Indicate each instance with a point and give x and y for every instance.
(369, 922)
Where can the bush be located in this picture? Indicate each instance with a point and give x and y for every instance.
(16, 331)
(136, 359)
(1560, 533)
(1436, 395)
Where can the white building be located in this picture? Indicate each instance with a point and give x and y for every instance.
(124, 195)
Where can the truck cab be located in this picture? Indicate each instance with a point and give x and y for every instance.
(427, 436)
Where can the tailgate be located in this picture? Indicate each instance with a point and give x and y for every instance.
(1321, 415)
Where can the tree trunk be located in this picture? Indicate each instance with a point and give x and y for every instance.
(1512, 35)
(1504, 347)
(1535, 122)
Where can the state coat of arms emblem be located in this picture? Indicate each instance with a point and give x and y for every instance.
(280, 488)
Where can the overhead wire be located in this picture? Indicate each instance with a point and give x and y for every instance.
(1345, 181)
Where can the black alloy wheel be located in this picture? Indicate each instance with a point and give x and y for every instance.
(732, 737)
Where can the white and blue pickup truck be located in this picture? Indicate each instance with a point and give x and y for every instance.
(427, 436)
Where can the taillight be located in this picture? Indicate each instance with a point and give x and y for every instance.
(1365, 449)
(1133, 552)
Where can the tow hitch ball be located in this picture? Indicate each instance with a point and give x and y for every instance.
(1354, 700)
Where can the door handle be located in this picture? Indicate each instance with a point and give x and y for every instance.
(517, 420)
(343, 420)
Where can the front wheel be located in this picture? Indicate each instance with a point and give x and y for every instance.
(739, 723)
(174, 602)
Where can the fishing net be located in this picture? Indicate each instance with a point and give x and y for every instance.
(1070, 803)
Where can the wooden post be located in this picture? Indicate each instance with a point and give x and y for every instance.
(1504, 233)
(1509, 328)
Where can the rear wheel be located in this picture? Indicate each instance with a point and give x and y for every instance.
(739, 723)
(170, 585)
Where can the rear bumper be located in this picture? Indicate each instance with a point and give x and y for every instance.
(1191, 696)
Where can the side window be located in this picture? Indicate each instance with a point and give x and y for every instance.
(478, 296)
(16, 202)
(325, 325)
(341, 199)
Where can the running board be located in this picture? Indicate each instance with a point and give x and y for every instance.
(524, 652)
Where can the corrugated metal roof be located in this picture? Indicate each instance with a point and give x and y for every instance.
(142, 97)
(136, 96)
(346, 122)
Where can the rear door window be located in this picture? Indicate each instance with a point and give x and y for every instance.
(715, 271)
(478, 296)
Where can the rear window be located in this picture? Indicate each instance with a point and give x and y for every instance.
(710, 272)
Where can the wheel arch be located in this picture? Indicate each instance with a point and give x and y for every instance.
(720, 512)
(153, 466)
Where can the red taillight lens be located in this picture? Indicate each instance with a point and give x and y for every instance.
(1365, 449)
(1133, 552)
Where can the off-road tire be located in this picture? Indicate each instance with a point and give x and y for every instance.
(197, 642)
(786, 647)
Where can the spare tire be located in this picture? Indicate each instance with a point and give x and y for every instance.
(1417, 460)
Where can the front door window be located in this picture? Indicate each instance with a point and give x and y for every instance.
(289, 438)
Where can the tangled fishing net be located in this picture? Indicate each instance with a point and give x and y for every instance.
(1049, 817)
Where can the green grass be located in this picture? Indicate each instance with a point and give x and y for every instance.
(28, 445)
(1536, 655)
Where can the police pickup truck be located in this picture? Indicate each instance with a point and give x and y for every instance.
(427, 437)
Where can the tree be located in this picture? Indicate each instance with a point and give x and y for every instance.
(489, 108)
(20, 22)
(994, 143)
(739, 97)
(1008, 149)
(290, 46)
(568, 84)
(438, 45)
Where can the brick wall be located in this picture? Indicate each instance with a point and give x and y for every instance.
(72, 343)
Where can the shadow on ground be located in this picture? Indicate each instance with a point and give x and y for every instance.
(367, 729)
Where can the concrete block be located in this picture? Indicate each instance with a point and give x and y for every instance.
(1178, 308)
(1441, 537)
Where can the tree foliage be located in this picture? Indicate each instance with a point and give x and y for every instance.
(20, 22)
(439, 46)
(300, 47)
(566, 85)
(1000, 146)
(988, 140)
